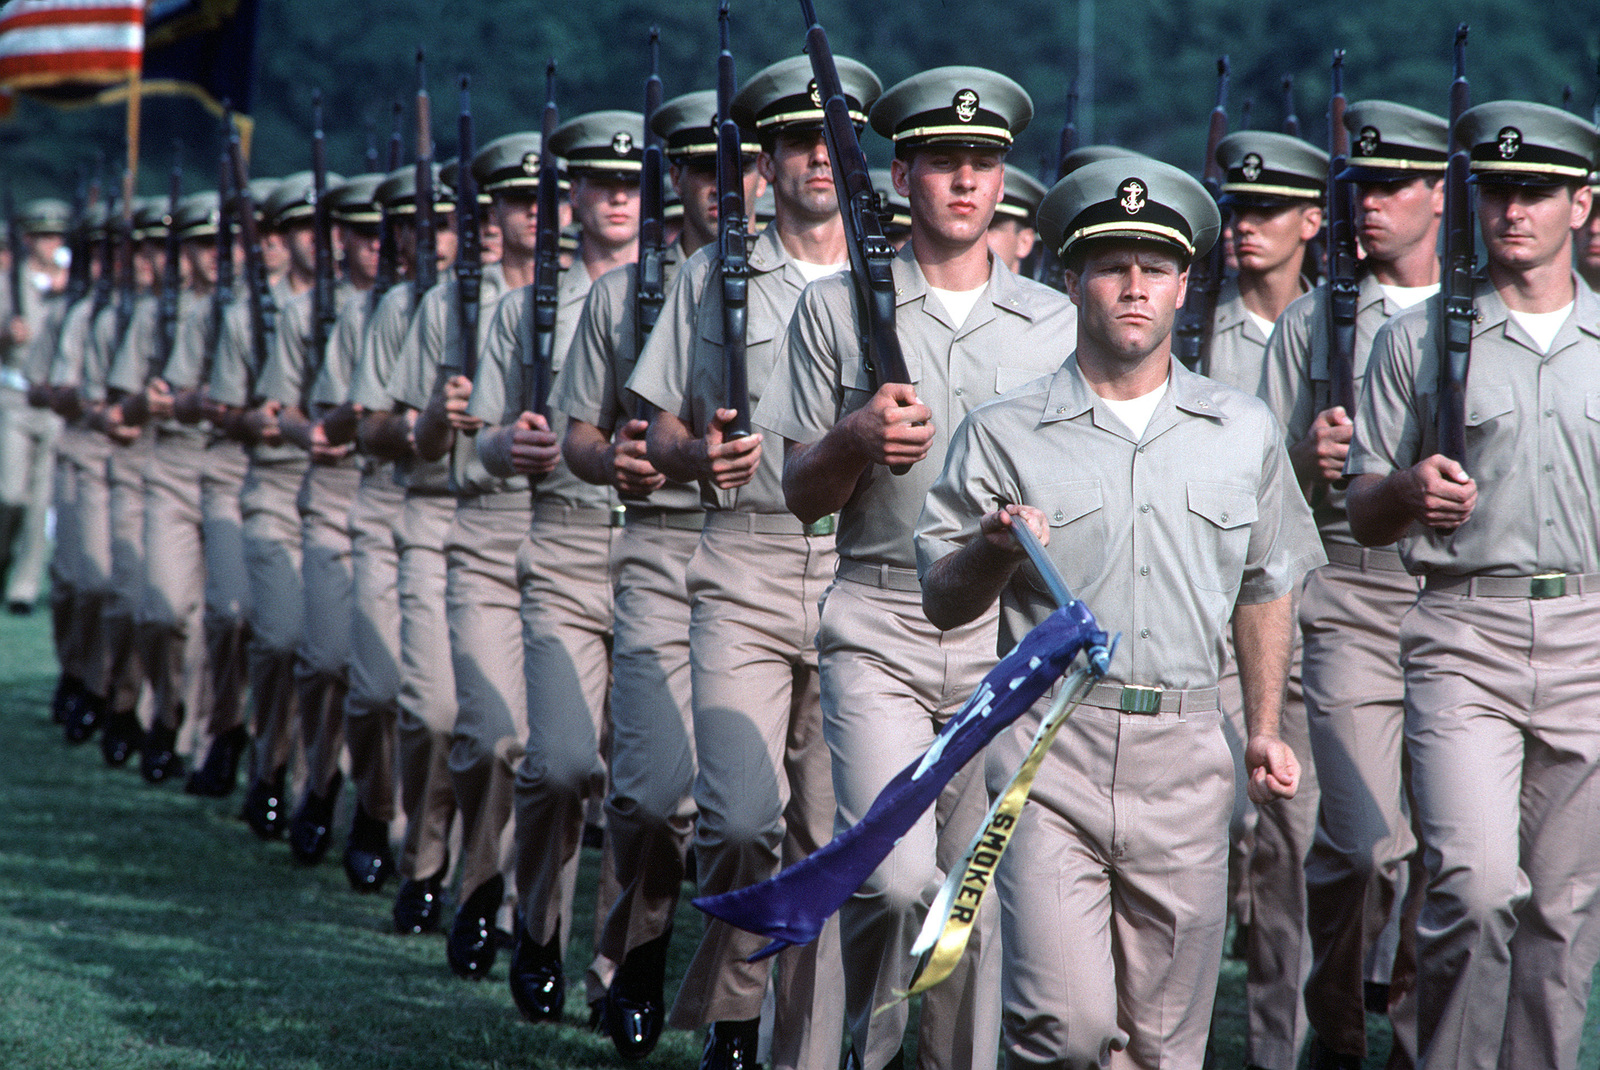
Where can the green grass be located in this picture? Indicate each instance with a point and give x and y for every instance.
(141, 928)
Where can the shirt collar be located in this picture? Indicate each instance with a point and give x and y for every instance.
(1070, 395)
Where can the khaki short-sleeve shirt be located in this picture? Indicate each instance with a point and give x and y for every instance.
(497, 395)
(1160, 536)
(681, 370)
(1017, 331)
(1533, 437)
(603, 356)
(1238, 348)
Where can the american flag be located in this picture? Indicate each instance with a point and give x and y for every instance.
(63, 45)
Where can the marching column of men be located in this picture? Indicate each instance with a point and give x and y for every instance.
(521, 606)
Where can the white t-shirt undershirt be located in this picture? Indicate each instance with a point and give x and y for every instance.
(958, 302)
(1406, 296)
(1265, 325)
(1136, 412)
(813, 272)
(1543, 327)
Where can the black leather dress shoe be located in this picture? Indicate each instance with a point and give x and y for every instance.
(311, 827)
(219, 773)
(731, 1045)
(635, 1002)
(538, 985)
(84, 716)
(368, 860)
(69, 689)
(471, 945)
(157, 760)
(417, 905)
(263, 807)
(122, 736)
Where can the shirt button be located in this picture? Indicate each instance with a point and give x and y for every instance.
(1139, 450)
(1549, 468)
(1550, 523)
(1224, 518)
(1144, 570)
(1060, 409)
(1060, 517)
(1144, 633)
(1549, 412)
(1144, 508)
(959, 391)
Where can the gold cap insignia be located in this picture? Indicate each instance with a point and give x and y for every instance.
(966, 104)
(621, 142)
(1510, 140)
(1133, 196)
(1251, 168)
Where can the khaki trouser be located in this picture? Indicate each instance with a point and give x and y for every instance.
(1273, 884)
(1114, 890)
(227, 589)
(272, 559)
(427, 686)
(372, 706)
(763, 788)
(650, 807)
(323, 667)
(1503, 731)
(27, 467)
(1355, 707)
(88, 557)
(483, 607)
(564, 568)
(170, 614)
(889, 682)
(125, 471)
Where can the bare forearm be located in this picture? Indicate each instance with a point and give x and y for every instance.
(383, 435)
(676, 451)
(296, 427)
(494, 450)
(433, 434)
(587, 451)
(1261, 641)
(962, 585)
(820, 476)
(1378, 512)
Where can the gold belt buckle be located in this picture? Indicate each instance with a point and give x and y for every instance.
(1138, 699)
(1547, 585)
(821, 526)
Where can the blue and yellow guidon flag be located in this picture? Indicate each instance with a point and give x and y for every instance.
(792, 907)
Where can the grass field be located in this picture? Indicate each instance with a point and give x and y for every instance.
(142, 928)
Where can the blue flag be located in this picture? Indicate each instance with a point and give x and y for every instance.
(203, 48)
(791, 907)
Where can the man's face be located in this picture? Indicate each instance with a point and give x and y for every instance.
(147, 260)
(1393, 218)
(1589, 242)
(952, 192)
(360, 246)
(696, 183)
(1127, 296)
(516, 210)
(1011, 240)
(490, 237)
(1268, 239)
(200, 255)
(42, 250)
(302, 241)
(606, 208)
(800, 175)
(444, 238)
(1526, 227)
(274, 252)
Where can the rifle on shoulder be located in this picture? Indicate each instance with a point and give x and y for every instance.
(171, 274)
(733, 240)
(388, 251)
(1343, 288)
(18, 257)
(263, 306)
(323, 298)
(650, 294)
(1048, 268)
(539, 359)
(1458, 314)
(871, 255)
(469, 239)
(425, 271)
(1191, 335)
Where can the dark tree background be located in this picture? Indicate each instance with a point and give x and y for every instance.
(1155, 63)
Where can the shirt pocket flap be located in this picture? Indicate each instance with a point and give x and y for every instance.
(1006, 379)
(1225, 506)
(1591, 406)
(1488, 404)
(1062, 503)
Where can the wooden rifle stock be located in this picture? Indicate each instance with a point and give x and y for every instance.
(1457, 311)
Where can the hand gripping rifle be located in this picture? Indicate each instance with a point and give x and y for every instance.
(733, 240)
(469, 241)
(1191, 335)
(871, 255)
(323, 300)
(538, 359)
(650, 293)
(1455, 345)
(1343, 289)
(388, 251)
(263, 306)
(425, 272)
